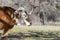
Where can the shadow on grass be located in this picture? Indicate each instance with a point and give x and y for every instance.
(35, 36)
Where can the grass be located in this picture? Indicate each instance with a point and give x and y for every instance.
(33, 30)
(33, 33)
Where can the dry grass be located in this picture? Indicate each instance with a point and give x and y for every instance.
(37, 29)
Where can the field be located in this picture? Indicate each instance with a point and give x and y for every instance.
(35, 32)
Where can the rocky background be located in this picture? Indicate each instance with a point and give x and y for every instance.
(44, 10)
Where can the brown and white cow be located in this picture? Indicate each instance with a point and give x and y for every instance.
(8, 17)
(25, 17)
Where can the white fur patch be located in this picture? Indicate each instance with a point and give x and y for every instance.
(17, 21)
(12, 16)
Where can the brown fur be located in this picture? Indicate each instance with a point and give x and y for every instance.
(6, 22)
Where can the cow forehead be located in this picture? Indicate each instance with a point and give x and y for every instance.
(21, 8)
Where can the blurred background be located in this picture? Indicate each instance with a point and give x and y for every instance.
(45, 11)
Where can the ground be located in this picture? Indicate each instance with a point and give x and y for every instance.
(35, 32)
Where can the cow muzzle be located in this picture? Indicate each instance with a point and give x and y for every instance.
(27, 23)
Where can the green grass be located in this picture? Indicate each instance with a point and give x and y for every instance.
(31, 30)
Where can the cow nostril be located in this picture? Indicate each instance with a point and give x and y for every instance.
(30, 23)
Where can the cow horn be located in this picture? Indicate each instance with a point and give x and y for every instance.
(30, 12)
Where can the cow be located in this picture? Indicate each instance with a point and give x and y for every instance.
(25, 17)
(8, 18)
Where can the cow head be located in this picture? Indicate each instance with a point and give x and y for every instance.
(23, 15)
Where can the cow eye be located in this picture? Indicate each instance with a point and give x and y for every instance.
(20, 10)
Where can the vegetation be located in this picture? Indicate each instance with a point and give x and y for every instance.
(31, 30)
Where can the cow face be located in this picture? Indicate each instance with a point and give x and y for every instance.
(22, 14)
